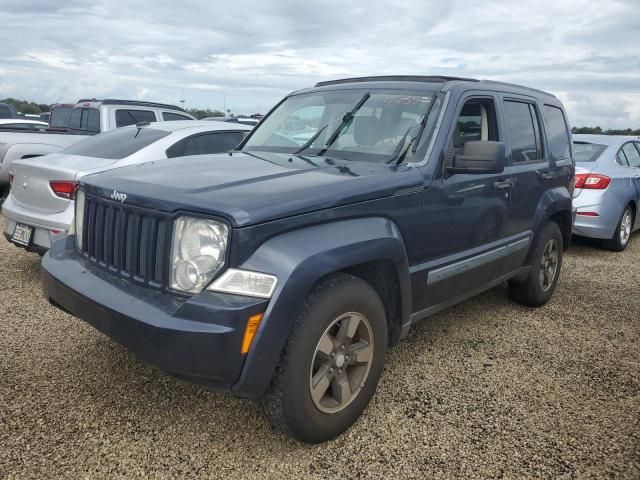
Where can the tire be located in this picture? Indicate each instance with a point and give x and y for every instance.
(539, 286)
(621, 236)
(288, 403)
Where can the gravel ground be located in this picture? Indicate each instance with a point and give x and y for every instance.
(486, 389)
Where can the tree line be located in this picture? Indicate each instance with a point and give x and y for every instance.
(600, 131)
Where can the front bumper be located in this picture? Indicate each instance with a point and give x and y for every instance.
(198, 338)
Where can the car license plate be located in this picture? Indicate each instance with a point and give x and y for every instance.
(22, 234)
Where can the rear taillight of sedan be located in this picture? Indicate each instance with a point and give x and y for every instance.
(591, 181)
(64, 189)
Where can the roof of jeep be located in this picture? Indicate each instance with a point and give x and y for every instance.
(432, 82)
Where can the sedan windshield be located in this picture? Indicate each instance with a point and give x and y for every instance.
(370, 125)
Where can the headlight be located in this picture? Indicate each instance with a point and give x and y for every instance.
(197, 252)
(79, 218)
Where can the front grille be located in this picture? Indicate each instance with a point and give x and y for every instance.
(127, 241)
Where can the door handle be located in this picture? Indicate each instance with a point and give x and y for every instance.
(546, 175)
(503, 184)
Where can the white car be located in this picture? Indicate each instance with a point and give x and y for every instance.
(22, 124)
(41, 203)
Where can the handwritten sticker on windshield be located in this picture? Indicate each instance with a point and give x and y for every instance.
(404, 100)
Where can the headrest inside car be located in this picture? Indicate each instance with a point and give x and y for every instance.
(365, 130)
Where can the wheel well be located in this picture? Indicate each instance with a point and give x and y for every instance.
(382, 276)
(565, 222)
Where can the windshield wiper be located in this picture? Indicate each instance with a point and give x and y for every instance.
(423, 124)
(398, 155)
(346, 120)
(309, 142)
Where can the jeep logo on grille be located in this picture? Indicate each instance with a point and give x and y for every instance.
(120, 197)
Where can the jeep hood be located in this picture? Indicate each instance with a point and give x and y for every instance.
(251, 188)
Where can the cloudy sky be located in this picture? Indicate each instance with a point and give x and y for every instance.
(252, 52)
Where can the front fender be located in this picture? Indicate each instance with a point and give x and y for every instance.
(301, 258)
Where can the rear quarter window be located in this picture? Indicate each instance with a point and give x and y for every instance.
(169, 116)
(116, 144)
(559, 140)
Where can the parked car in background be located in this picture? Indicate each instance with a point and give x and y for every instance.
(607, 188)
(8, 111)
(284, 270)
(41, 204)
(22, 124)
(88, 117)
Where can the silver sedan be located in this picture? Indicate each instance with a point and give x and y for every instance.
(607, 189)
(41, 202)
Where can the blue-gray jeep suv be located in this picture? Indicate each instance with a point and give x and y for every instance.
(284, 269)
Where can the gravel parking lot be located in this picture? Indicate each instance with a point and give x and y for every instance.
(485, 389)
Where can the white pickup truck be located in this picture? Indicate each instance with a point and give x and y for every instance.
(88, 117)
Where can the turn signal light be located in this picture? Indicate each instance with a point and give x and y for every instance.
(592, 181)
(10, 179)
(250, 331)
(64, 189)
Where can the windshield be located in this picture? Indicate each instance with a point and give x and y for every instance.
(349, 124)
(116, 144)
(587, 152)
(60, 117)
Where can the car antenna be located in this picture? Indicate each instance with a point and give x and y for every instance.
(139, 126)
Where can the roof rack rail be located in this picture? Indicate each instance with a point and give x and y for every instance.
(137, 103)
(397, 78)
(507, 84)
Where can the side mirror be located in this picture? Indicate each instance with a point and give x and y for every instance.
(479, 157)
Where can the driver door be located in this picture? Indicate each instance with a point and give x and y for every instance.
(465, 215)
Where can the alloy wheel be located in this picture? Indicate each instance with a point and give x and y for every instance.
(549, 264)
(341, 362)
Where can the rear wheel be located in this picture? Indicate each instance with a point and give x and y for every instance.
(622, 234)
(331, 363)
(539, 286)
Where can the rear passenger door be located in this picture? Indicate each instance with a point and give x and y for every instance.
(205, 143)
(527, 160)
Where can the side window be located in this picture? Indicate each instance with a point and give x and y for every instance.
(131, 117)
(75, 118)
(203, 144)
(477, 121)
(93, 120)
(169, 116)
(621, 159)
(633, 157)
(559, 140)
(524, 132)
(85, 119)
(5, 112)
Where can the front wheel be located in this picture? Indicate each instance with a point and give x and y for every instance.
(622, 234)
(331, 363)
(546, 262)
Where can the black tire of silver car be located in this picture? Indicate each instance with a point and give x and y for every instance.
(331, 363)
(621, 236)
(546, 263)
